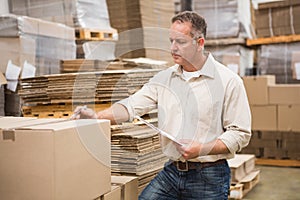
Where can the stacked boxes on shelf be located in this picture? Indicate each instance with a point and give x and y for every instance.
(73, 13)
(275, 117)
(225, 18)
(228, 24)
(88, 17)
(143, 27)
(39, 43)
(281, 60)
(276, 30)
(42, 44)
(277, 18)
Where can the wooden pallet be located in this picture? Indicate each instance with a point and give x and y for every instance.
(241, 189)
(56, 110)
(94, 35)
(277, 162)
(225, 41)
(273, 40)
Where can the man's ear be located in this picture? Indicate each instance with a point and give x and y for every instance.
(200, 43)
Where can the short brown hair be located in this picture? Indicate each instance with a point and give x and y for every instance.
(198, 22)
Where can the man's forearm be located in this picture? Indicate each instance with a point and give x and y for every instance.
(117, 113)
(215, 147)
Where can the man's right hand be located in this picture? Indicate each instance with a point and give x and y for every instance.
(81, 112)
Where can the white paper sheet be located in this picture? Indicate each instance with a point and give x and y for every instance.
(159, 130)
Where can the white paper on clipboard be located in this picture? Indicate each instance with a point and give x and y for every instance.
(159, 130)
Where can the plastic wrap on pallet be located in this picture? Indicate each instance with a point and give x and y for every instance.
(277, 18)
(41, 43)
(233, 54)
(281, 60)
(225, 18)
(74, 13)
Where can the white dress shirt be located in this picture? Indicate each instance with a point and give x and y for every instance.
(213, 105)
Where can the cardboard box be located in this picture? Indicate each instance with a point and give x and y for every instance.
(277, 18)
(284, 94)
(114, 194)
(55, 160)
(129, 185)
(288, 117)
(257, 88)
(264, 118)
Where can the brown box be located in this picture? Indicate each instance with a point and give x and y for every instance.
(264, 118)
(54, 160)
(284, 94)
(277, 18)
(288, 117)
(257, 88)
(129, 185)
(114, 194)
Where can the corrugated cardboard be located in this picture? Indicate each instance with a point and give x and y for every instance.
(114, 194)
(289, 118)
(284, 94)
(3, 80)
(55, 160)
(129, 185)
(277, 18)
(264, 118)
(257, 88)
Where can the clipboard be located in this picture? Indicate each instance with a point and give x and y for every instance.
(163, 133)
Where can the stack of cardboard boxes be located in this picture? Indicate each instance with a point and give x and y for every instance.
(277, 18)
(228, 24)
(275, 117)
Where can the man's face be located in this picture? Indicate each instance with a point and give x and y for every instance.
(183, 46)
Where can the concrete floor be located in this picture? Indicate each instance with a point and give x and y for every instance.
(276, 183)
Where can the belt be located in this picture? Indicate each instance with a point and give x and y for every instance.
(186, 166)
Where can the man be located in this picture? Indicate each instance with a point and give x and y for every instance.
(203, 105)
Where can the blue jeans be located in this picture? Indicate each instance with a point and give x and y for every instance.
(210, 183)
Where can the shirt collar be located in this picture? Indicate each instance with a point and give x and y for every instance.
(208, 68)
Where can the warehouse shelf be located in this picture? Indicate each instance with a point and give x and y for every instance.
(225, 41)
(273, 40)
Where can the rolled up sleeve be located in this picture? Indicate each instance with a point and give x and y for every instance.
(236, 117)
(142, 101)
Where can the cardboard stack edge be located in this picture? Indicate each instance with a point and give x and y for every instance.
(275, 112)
